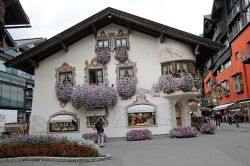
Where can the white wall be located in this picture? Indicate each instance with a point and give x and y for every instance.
(7, 116)
(145, 50)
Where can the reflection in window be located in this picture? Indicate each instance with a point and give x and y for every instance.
(65, 78)
(218, 91)
(126, 72)
(167, 68)
(141, 119)
(238, 83)
(226, 89)
(92, 119)
(121, 42)
(63, 123)
(141, 115)
(95, 76)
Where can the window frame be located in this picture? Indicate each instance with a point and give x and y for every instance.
(96, 70)
(226, 89)
(65, 68)
(126, 68)
(238, 83)
(103, 45)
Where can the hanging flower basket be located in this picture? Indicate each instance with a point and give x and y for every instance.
(64, 92)
(121, 54)
(94, 96)
(126, 87)
(186, 83)
(103, 56)
(197, 82)
(167, 83)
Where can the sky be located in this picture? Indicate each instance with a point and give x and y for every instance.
(50, 17)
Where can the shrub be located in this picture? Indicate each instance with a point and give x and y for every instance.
(94, 96)
(64, 92)
(121, 54)
(207, 128)
(93, 136)
(186, 83)
(183, 132)
(23, 146)
(126, 87)
(142, 134)
(168, 83)
(103, 56)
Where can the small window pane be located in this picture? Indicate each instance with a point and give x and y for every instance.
(100, 44)
(106, 44)
(124, 42)
(118, 42)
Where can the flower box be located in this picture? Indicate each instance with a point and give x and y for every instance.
(142, 134)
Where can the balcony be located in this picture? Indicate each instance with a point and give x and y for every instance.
(235, 10)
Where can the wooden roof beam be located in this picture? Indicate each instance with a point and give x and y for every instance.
(94, 30)
(34, 63)
(162, 38)
(64, 46)
(128, 26)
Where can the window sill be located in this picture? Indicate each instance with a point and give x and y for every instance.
(142, 126)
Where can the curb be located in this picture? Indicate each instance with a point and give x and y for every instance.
(58, 159)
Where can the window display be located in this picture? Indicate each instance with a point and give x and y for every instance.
(141, 119)
(63, 123)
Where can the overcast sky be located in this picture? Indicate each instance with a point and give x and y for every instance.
(50, 17)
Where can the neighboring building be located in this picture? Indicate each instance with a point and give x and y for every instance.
(227, 80)
(16, 86)
(153, 50)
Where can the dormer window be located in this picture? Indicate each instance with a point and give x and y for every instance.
(121, 42)
(103, 43)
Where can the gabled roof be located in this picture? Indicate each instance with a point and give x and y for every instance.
(105, 17)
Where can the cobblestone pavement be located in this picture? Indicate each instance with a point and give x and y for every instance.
(230, 146)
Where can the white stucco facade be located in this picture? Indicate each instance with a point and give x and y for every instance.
(147, 52)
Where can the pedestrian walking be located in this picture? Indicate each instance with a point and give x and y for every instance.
(237, 119)
(230, 119)
(100, 131)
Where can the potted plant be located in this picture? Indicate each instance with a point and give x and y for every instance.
(103, 55)
(121, 54)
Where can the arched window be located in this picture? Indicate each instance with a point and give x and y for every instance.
(63, 122)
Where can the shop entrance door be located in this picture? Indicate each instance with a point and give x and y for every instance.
(178, 115)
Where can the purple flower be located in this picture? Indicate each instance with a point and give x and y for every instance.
(168, 83)
(103, 56)
(64, 92)
(141, 134)
(121, 54)
(94, 96)
(207, 128)
(183, 132)
(186, 83)
(126, 87)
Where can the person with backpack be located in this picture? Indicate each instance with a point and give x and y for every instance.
(100, 131)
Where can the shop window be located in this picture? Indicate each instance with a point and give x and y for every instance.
(225, 88)
(63, 123)
(103, 43)
(141, 115)
(95, 76)
(126, 72)
(93, 115)
(238, 83)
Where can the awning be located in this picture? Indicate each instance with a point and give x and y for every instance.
(62, 118)
(245, 102)
(96, 113)
(224, 106)
(141, 108)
